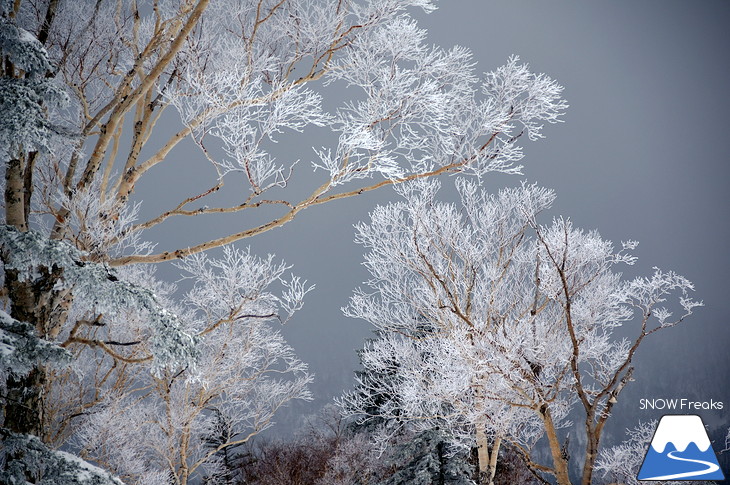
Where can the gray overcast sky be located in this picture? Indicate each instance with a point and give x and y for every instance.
(643, 154)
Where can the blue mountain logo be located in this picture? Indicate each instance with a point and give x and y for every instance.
(680, 450)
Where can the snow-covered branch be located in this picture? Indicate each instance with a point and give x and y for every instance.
(492, 325)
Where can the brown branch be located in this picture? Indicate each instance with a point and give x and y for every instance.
(177, 210)
(103, 345)
(531, 465)
(233, 319)
(314, 199)
(567, 307)
(48, 21)
(122, 344)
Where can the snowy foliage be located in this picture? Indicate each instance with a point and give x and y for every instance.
(426, 458)
(21, 349)
(97, 286)
(426, 115)
(419, 107)
(25, 456)
(328, 450)
(435, 300)
(245, 79)
(244, 373)
(489, 319)
(24, 50)
(99, 227)
(23, 101)
(6, 6)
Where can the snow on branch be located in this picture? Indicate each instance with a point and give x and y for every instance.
(21, 349)
(493, 326)
(97, 284)
(27, 456)
(24, 100)
(23, 50)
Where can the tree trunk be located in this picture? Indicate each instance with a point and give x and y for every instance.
(487, 460)
(591, 455)
(35, 302)
(24, 403)
(15, 213)
(560, 464)
(23, 407)
(493, 459)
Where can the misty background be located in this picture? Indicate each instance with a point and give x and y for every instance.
(642, 154)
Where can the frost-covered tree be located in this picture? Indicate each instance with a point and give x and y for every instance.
(522, 321)
(243, 374)
(415, 456)
(24, 130)
(30, 261)
(26, 459)
(238, 76)
(89, 92)
(427, 458)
